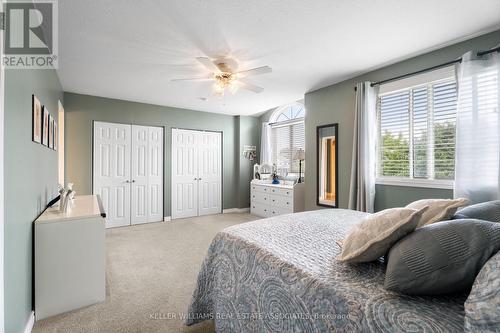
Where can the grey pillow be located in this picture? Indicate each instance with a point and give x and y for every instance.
(483, 304)
(488, 211)
(441, 258)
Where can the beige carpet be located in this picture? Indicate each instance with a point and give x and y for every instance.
(151, 275)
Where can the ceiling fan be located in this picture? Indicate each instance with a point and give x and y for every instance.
(224, 73)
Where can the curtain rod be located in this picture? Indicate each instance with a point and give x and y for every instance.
(449, 63)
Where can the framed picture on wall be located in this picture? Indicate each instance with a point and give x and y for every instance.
(51, 132)
(45, 126)
(37, 119)
(56, 136)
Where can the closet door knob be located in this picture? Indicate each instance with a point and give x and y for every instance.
(133, 181)
(127, 181)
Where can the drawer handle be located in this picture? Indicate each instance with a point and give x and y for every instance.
(287, 203)
(265, 210)
(265, 198)
(287, 192)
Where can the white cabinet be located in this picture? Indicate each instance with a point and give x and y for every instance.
(268, 200)
(70, 257)
(128, 172)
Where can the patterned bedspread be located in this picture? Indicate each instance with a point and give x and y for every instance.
(280, 275)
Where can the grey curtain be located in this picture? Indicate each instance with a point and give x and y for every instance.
(363, 170)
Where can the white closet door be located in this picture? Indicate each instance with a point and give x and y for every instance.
(155, 175)
(210, 172)
(139, 178)
(112, 171)
(184, 173)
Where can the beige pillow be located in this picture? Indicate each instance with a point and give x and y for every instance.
(439, 209)
(374, 236)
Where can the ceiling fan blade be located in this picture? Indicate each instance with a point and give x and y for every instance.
(255, 71)
(208, 64)
(249, 86)
(203, 78)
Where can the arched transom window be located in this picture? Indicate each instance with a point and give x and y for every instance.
(294, 111)
(288, 136)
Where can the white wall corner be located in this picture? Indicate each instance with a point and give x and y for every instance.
(167, 219)
(30, 323)
(236, 210)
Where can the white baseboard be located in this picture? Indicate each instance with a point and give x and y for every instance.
(167, 219)
(30, 323)
(236, 210)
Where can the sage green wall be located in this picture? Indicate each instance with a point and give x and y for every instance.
(30, 182)
(248, 129)
(82, 110)
(388, 196)
(335, 104)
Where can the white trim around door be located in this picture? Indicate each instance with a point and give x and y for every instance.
(196, 173)
(128, 172)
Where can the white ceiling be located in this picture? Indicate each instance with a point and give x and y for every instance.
(130, 49)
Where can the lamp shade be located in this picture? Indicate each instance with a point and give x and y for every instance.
(300, 155)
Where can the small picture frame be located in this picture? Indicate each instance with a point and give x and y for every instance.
(45, 126)
(56, 136)
(51, 132)
(37, 119)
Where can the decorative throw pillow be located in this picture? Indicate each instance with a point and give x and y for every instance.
(439, 209)
(441, 258)
(488, 211)
(483, 304)
(374, 236)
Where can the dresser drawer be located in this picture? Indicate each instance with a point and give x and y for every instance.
(282, 191)
(260, 188)
(281, 201)
(259, 197)
(275, 211)
(260, 209)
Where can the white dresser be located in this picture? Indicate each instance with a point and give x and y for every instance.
(70, 257)
(268, 200)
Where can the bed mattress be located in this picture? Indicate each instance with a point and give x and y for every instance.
(280, 275)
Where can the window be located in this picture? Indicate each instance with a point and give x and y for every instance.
(416, 126)
(288, 136)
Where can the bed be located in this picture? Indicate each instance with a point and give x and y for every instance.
(280, 275)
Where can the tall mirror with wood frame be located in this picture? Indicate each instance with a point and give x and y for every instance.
(327, 160)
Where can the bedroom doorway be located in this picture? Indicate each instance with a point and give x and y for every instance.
(128, 172)
(196, 173)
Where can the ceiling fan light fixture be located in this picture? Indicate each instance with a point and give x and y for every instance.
(218, 89)
(223, 72)
(233, 87)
